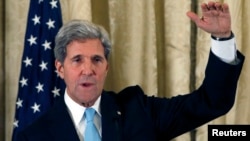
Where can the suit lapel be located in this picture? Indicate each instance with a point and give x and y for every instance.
(62, 126)
(111, 118)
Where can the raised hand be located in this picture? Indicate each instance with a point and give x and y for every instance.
(215, 19)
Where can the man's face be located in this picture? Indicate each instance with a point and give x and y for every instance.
(84, 70)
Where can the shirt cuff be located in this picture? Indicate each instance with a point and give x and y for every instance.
(225, 50)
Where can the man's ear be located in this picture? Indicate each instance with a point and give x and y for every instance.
(59, 68)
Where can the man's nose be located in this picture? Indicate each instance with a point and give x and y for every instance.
(87, 68)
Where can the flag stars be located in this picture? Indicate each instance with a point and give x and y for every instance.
(56, 92)
(32, 40)
(39, 87)
(35, 107)
(53, 4)
(57, 73)
(46, 45)
(15, 123)
(36, 20)
(50, 24)
(43, 66)
(19, 103)
(27, 61)
(23, 82)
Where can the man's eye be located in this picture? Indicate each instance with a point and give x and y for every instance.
(97, 59)
(76, 60)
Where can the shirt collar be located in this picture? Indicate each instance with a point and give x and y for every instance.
(77, 110)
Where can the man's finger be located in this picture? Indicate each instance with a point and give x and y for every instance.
(204, 7)
(194, 17)
(225, 8)
(211, 5)
(218, 6)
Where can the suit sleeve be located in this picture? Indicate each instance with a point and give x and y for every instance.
(215, 97)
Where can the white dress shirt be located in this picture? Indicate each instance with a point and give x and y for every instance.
(225, 50)
(76, 112)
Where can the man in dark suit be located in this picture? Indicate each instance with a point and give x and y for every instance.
(81, 52)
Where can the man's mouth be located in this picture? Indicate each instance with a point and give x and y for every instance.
(87, 84)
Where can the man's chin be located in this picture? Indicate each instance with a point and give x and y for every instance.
(88, 103)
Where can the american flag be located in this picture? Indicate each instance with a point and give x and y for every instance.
(39, 83)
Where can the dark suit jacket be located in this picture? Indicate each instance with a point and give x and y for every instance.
(131, 115)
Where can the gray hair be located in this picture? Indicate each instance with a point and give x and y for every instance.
(79, 30)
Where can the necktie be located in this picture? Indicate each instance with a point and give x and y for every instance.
(91, 133)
